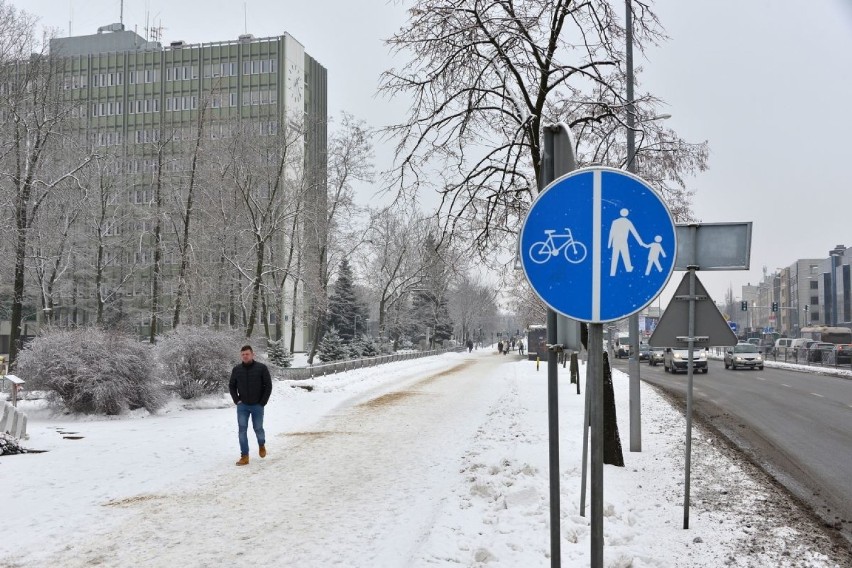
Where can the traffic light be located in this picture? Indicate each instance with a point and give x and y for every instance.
(807, 307)
(774, 306)
(744, 306)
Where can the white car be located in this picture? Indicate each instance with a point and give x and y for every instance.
(676, 359)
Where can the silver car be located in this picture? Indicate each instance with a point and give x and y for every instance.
(657, 355)
(743, 355)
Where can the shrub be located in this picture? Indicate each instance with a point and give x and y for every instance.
(92, 371)
(278, 354)
(197, 360)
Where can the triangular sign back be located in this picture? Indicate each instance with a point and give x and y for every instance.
(709, 322)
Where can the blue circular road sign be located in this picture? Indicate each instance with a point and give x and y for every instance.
(598, 245)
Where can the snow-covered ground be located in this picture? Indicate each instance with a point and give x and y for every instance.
(440, 461)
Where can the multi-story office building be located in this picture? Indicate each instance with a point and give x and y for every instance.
(253, 112)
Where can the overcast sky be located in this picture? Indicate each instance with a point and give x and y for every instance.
(767, 82)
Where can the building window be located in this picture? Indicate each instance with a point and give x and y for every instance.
(119, 78)
(814, 300)
(814, 316)
(232, 99)
(814, 285)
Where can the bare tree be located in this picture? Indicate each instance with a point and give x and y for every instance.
(350, 162)
(36, 156)
(262, 171)
(392, 259)
(484, 77)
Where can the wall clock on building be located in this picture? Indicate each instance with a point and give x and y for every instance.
(296, 82)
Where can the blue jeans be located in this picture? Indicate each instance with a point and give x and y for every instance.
(256, 413)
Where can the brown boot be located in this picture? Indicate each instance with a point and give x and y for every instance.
(262, 451)
(243, 460)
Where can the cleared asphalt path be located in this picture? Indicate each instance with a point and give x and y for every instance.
(797, 425)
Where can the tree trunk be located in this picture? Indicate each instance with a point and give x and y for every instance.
(611, 440)
(255, 288)
(158, 237)
(187, 220)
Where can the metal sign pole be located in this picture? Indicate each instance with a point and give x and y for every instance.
(691, 343)
(596, 387)
(586, 418)
(553, 435)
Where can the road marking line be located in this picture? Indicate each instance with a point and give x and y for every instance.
(819, 395)
(760, 378)
(788, 386)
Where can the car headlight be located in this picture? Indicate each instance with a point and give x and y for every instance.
(676, 356)
(738, 358)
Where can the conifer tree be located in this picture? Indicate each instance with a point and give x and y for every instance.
(331, 347)
(345, 312)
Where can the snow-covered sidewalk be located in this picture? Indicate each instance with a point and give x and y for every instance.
(438, 461)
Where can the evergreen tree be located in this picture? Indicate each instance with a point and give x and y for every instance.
(345, 312)
(278, 354)
(370, 349)
(331, 347)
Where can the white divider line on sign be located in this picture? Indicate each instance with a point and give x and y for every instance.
(596, 245)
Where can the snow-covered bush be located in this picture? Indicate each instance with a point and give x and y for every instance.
(92, 371)
(278, 354)
(331, 347)
(198, 360)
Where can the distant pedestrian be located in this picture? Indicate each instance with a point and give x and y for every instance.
(513, 344)
(251, 387)
(521, 347)
(469, 345)
(500, 347)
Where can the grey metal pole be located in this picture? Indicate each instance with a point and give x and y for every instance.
(547, 175)
(586, 418)
(595, 365)
(691, 344)
(632, 321)
(553, 435)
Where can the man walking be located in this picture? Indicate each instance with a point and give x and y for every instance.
(250, 387)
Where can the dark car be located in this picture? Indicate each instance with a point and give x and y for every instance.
(644, 351)
(844, 353)
(817, 349)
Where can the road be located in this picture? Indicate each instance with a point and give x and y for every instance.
(796, 425)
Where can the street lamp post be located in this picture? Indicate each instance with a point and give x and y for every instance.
(355, 328)
(633, 320)
(834, 255)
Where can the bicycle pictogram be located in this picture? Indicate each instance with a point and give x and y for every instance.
(542, 251)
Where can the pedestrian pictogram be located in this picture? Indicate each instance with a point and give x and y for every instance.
(598, 244)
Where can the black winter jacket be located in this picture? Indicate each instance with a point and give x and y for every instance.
(250, 384)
